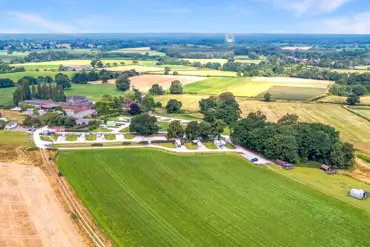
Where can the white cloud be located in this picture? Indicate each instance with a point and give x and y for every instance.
(316, 7)
(39, 22)
(355, 24)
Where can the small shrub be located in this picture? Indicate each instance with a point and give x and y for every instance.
(144, 142)
(126, 143)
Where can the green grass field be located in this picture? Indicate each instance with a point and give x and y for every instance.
(241, 86)
(363, 111)
(110, 137)
(16, 76)
(293, 93)
(93, 91)
(15, 138)
(154, 198)
(90, 138)
(6, 96)
(71, 138)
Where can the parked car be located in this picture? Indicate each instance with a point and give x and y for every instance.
(199, 144)
(254, 159)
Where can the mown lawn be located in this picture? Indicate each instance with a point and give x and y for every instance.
(93, 91)
(154, 198)
(16, 138)
(6, 96)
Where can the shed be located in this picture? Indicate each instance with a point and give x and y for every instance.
(284, 164)
(358, 193)
(325, 167)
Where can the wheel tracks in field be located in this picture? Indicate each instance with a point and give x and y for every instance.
(163, 223)
(71, 202)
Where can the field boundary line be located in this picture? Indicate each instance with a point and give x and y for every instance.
(69, 199)
(357, 114)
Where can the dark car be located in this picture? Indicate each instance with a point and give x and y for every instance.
(254, 159)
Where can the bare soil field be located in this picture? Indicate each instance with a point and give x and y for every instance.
(30, 214)
(145, 82)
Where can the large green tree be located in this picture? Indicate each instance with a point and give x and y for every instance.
(62, 80)
(175, 130)
(123, 82)
(173, 106)
(176, 87)
(144, 124)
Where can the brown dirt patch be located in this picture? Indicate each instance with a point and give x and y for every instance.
(361, 171)
(30, 214)
(12, 115)
(20, 155)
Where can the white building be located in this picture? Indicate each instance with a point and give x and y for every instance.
(358, 193)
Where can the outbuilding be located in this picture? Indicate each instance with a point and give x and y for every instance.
(284, 164)
(358, 193)
(325, 168)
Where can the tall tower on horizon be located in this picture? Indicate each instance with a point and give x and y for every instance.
(229, 38)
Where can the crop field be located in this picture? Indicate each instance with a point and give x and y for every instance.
(289, 88)
(138, 68)
(154, 198)
(204, 72)
(220, 60)
(18, 75)
(189, 102)
(342, 100)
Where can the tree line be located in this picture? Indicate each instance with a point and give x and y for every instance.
(293, 141)
(25, 91)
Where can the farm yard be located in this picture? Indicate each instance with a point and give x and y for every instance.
(190, 200)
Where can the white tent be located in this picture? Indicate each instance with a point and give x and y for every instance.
(357, 193)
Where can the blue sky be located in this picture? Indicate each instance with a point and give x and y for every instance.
(196, 16)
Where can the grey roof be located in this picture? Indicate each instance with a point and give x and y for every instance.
(83, 114)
